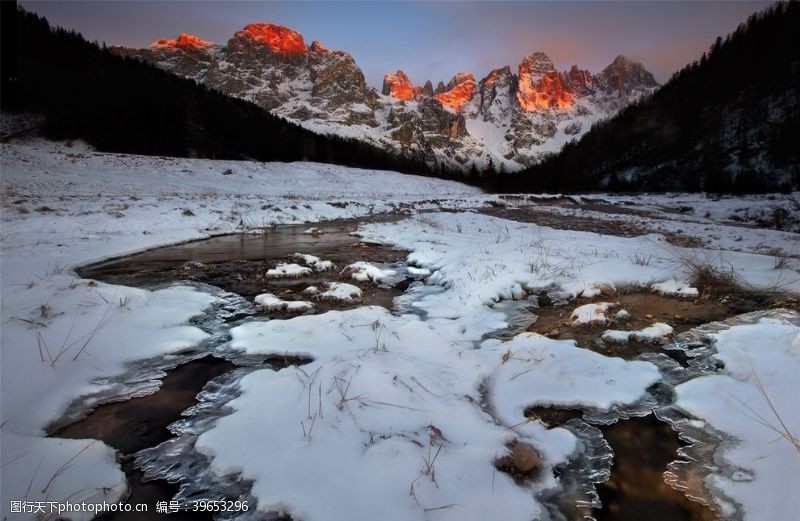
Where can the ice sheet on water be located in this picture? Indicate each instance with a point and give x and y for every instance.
(144, 376)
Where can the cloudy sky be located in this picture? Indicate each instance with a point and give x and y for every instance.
(433, 40)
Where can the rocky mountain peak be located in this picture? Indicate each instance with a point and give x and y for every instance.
(427, 89)
(459, 91)
(397, 85)
(541, 87)
(184, 41)
(278, 39)
(537, 65)
(578, 81)
(501, 78)
(625, 76)
(496, 92)
(318, 48)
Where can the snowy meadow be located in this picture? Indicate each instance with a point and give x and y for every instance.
(422, 410)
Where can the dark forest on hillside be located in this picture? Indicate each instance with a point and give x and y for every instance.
(729, 122)
(124, 105)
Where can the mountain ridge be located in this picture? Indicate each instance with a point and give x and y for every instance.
(509, 119)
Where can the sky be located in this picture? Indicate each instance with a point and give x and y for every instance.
(432, 40)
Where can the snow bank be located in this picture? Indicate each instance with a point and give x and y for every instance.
(62, 339)
(755, 402)
(479, 259)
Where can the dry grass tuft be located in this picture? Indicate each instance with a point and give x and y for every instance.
(709, 278)
(777, 424)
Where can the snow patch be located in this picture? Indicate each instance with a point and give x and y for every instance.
(588, 314)
(656, 333)
(315, 262)
(364, 271)
(269, 302)
(288, 270)
(341, 291)
(675, 288)
(536, 370)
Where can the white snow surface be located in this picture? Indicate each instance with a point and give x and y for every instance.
(379, 383)
(755, 402)
(63, 204)
(593, 313)
(270, 302)
(480, 259)
(384, 393)
(654, 333)
(314, 261)
(341, 291)
(364, 271)
(674, 287)
(541, 371)
(288, 269)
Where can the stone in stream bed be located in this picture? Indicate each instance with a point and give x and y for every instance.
(522, 461)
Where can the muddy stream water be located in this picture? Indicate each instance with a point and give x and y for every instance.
(636, 449)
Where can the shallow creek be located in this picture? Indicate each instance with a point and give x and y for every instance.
(626, 451)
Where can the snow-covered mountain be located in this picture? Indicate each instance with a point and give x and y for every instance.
(508, 119)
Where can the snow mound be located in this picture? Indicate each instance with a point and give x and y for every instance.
(588, 314)
(418, 273)
(656, 333)
(364, 271)
(341, 291)
(288, 270)
(622, 314)
(315, 262)
(673, 287)
(269, 302)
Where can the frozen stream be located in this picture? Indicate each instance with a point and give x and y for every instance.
(133, 416)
